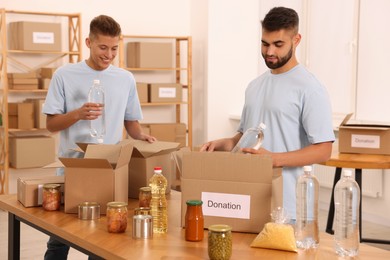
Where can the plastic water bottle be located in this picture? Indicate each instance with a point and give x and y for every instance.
(306, 229)
(347, 201)
(252, 138)
(97, 126)
(158, 204)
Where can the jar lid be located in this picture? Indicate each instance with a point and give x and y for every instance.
(89, 205)
(145, 189)
(116, 204)
(194, 202)
(51, 186)
(220, 228)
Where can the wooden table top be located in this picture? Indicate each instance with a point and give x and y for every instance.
(358, 161)
(93, 236)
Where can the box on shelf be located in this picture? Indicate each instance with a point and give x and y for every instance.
(239, 190)
(39, 117)
(364, 138)
(21, 115)
(165, 92)
(169, 132)
(23, 83)
(142, 89)
(31, 151)
(34, 36)
(143, 160)
(29, 190)
(25, 75)
(149, 55)
(100, 176)
(44, 83)
(47, 73)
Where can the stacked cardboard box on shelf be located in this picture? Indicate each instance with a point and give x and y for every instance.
(45, 77)
(23, 81)
(165, 92)
(149, 55)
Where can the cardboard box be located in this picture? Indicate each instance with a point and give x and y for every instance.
(364, 138)
(149, 55)
(29, 190)
(169, 132)
(143, 160)
(142, 89)
(236, 189)
(27, 75)
(31, 151)
(44, 83)
(165, 92)
(101, 176)
(21, 115)
(47, 73)
(39, 117)
(34, 36)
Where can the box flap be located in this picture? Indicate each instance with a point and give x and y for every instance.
(85, 163)
(110, 152)
(125, 153)
(145, 149)
(227, 166)
(367, 126)
(56, 164)
(178, 158)
(23, 133)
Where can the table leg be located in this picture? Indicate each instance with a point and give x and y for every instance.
(13, 237)
(329, 223)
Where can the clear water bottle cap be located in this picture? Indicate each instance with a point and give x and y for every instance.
(307, 168)
(96, 81)
(347, 172)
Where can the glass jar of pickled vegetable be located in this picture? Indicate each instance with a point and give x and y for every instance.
(51, 197)
(145, 196)
(220, 242)
(116, 217)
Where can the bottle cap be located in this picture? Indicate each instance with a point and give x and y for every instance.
(347, 172)
(194, 202)
(307, 168)
(96, 81)
(262, 126)
(157, 168)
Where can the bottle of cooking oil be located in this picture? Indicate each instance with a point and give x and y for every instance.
(158, 204)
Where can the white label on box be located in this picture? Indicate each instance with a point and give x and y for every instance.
(365, 141)
(43, 37)
(167, 92)
(226, 205)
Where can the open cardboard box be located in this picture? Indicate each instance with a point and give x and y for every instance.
(101, 176)
(239, 190)
(364, 138)
(143, 160)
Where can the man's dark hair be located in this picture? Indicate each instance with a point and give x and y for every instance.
(279, 18)
(104, 25)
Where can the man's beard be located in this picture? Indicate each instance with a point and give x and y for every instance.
(281, 62)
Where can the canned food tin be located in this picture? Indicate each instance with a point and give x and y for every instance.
(142, 226)
(89, 210)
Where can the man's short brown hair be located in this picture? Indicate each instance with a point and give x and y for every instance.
(104, 25)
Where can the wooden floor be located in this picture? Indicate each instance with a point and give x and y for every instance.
(33, 242)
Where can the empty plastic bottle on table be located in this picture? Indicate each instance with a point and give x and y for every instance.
(158, 203)
(306, 229)
(347, 201)
(252, 138)
(97, 126)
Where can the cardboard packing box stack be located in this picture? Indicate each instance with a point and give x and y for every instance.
(169, 132)
(149, 55)
(364, 138)
(29, 190)
(34, 36)
(39, 117)
(23, 81)
(143, 92)
(21, 115)
(239, 190)
(45, 77)
(165, 92)
(144, 158)
(100, 176)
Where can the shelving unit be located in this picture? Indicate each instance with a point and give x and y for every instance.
(179, 67)
(15, 57)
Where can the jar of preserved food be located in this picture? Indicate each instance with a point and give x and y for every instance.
(116, 217)
(145, 195)
(51, 197)
(220, 242)
(142, 211)
(194, 221)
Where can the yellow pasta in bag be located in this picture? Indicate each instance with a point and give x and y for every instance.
(276, 235)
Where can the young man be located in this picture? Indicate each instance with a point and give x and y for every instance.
(69, 112)
(290, 101)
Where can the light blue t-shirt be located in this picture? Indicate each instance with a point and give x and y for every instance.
(296, 110)
(68, 91)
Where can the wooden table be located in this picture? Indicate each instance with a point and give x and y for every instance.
(92, 238)
(357, 162)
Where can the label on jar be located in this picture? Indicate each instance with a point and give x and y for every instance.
(226, 205)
